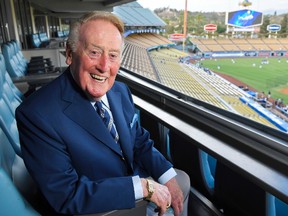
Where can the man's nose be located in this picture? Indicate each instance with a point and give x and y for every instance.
(104, 63)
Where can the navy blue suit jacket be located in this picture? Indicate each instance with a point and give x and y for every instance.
(71, 155)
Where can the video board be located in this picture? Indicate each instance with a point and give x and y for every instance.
(244, 18)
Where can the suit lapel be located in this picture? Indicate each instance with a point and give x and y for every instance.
(80, 110)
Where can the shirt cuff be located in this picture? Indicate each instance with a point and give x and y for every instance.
(138, 191)
(165, 177)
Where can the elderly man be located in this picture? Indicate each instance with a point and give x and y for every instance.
(80, 164)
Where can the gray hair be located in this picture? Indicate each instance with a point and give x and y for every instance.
(73, 37)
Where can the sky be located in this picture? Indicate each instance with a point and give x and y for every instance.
(216, 5)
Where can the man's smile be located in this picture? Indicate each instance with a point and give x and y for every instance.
(98, 78)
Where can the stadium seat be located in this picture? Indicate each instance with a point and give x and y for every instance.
(10, 62)
(238, 196)
(34, 41)
(11, 201)
(16, 184)
(18, 51)
(43, 39)
(15, 96)
(60, 34)
(15, 90)
(281, 208)
(201, 166)
(208, 165)
(8, 121)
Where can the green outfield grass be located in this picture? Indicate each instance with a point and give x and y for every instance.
(271, 77)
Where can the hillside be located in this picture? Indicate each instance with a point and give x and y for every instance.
(196, 20)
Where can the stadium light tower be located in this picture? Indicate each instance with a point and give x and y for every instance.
(185, 24)
(185, 20)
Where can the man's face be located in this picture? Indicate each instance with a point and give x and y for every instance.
(97, 59)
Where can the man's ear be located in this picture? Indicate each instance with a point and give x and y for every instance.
(68, 55)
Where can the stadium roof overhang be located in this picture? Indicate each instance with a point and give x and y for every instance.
(74, 8)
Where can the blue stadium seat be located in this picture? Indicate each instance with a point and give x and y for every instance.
(60, 34)
(207, 165)
(281, 208)
(16, 186)
(11, 201)
(34, 41)
(43, 39)
(14, 95)
(10, 62)
(22, 65)
(8, 121)
(200, 167)
(18, 51)
(15, 90)
(238, 196)
(66, 33)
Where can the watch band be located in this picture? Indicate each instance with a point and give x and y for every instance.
(150, 189)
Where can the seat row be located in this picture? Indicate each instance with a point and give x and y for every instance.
(38, 40)
(60, 34)
(17, 65)
(15, 183)
(36, 72)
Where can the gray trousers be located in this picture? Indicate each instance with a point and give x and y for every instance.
(184, 182)
(143, 208)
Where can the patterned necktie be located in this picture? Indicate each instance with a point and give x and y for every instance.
(107, 119)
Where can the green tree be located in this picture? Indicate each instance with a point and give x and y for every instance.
(221, 28)
(199, 21)
(180, 26)
(266, 22)
(284, 23)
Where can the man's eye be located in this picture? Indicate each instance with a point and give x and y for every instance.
(94, 54)
(113, 56)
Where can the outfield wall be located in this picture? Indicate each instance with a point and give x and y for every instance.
(239, 54)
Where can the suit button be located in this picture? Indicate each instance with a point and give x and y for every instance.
(123, 158)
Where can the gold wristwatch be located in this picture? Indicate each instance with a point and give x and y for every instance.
(150, 189)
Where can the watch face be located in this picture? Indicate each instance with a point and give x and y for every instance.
(150, 186)
(150, 189)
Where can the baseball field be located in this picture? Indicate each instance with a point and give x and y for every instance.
(261, 74)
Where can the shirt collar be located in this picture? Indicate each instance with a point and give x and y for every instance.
(104, 100)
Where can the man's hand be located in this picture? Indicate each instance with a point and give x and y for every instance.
(161, 196)
(176, 196)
